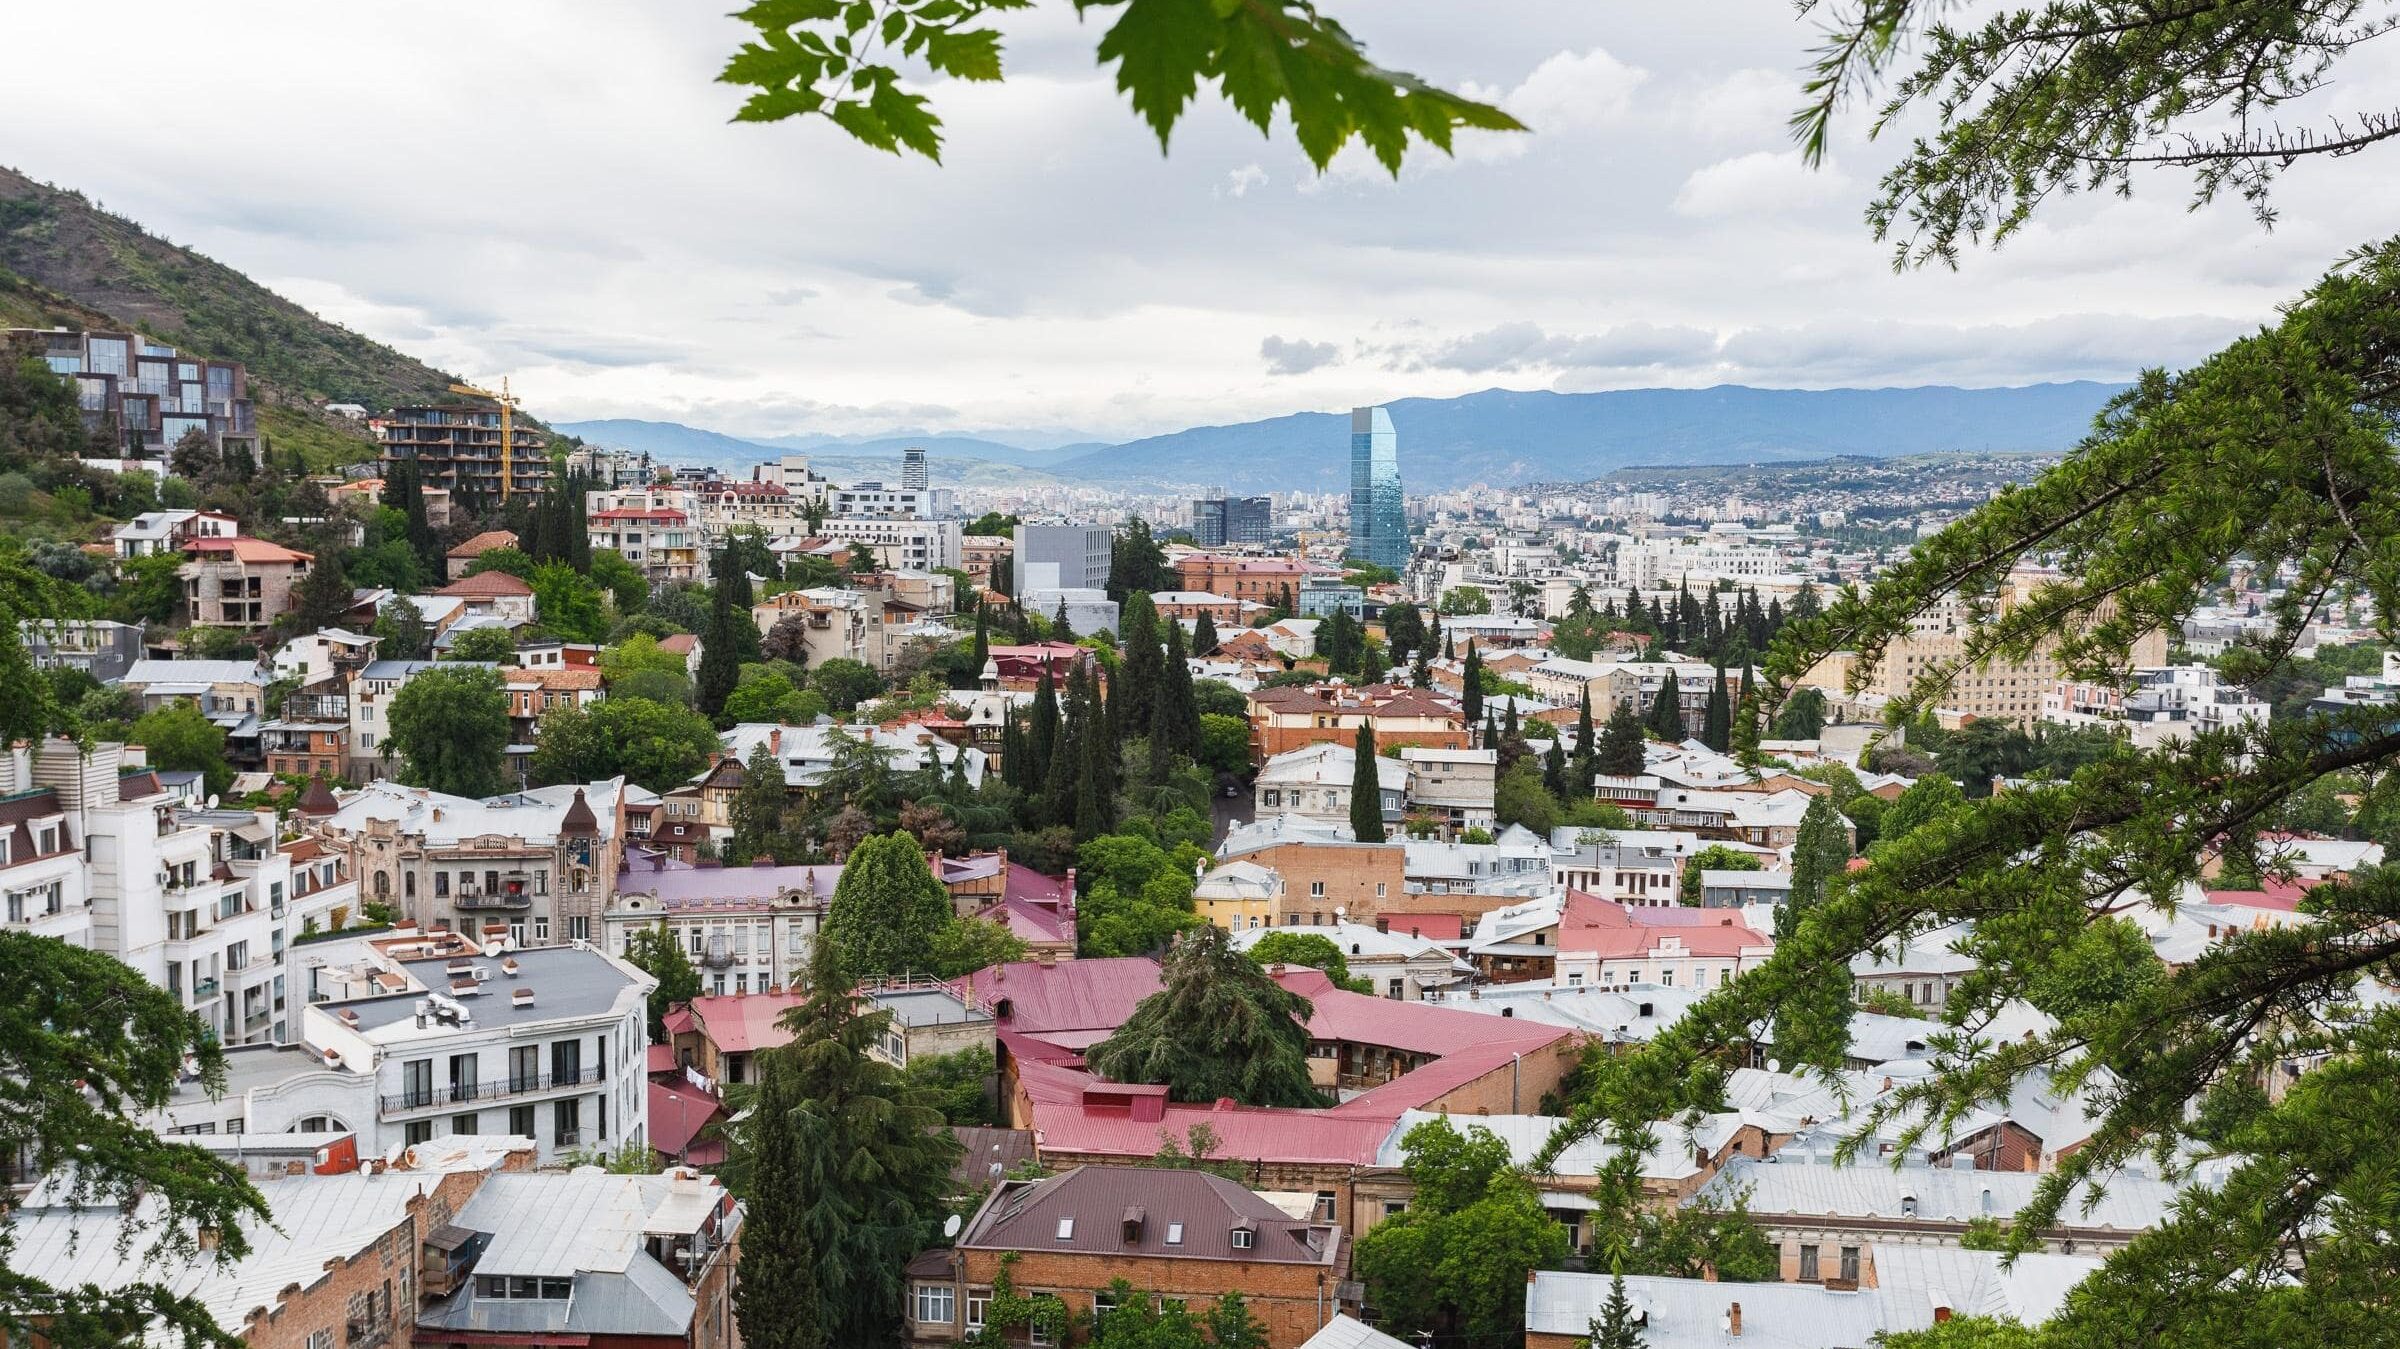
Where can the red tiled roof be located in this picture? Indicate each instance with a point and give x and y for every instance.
(1070, 995)
(1091, 1204)
(678, 1113)
(1612, 930)
(2283, 896)
(486, 585)
(245, 549)
(680, 643)
(741, 1023)
(484, 543)
(661, 1059)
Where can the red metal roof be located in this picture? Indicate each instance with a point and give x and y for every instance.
(1612, 930)
(1069, 995)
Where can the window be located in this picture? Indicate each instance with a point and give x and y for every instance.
(1174, 1234)
(1244, 1238)
(320, 1339)
(1103, 1302)
(1066, 1229)
(462, 1078)
(416, 1083)
(1396, 988)
(520, 1120)
(463, 1124)
(979, 1306)
(934, 1303)
(541, 927)
(567, 1123)
(1808, 1264)
(1316, 889)
(420, 1131)
(1850, 1263)
(525, 1069)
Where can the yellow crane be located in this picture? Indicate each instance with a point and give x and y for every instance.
(508, 439)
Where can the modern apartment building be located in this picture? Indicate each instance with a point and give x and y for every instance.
(654, 528)
(903, 542)
(913, 476)
(1064, 557)
(1378, 519)
(1222, 520)
(456, 447)
(152, 395)
(879, 501)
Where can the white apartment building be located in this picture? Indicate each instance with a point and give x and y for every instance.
(1650, 564)
(902, 543)
(409, 1037)
(2165, 704)
(874, 500)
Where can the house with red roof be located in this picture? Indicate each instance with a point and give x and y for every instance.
(493, 593)
(1582, 940)
(1288, 718)
(238, 582)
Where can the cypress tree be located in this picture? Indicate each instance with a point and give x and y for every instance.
(1066, 755)
(1095, 787)
(1716, 728)
(1175, 715)
(1366, 788)
(1135, 686)
(1819, 854)
(1585, 747)
(1555, 774)
(1470, 698)
(982, 652)
(720, 656)
(1204, 634)
(1666, 711)
(1041, 732)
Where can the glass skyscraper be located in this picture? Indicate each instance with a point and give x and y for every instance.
(1378, 524)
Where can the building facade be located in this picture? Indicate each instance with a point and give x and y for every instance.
(456, 447)
(151, 395)
(1378, 518)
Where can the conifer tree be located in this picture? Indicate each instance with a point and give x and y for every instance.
(1716, 727)
(1620, 752)
(1471, 690)
(1614, 1327)
(1041, 733)
(843, 1165)
(1819, 854)
(1666, 711)
(1556, 775)
(1366, 787)
(1134, 688)
(1204, 634)
(720, 655)
(1175, 714)
(981, 654)
(1066, 753)
(1217, 1027)
(757, 810)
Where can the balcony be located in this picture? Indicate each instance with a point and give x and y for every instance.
(205, 988)
(367, 1334)
(445, 1097)
(476, 898)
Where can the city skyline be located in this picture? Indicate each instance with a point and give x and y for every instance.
(1626, 242)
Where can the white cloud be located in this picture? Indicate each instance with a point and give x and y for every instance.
(1292, 356)
(1760, 182)
(1239, 182)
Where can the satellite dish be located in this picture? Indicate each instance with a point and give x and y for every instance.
(212, 800)
(950, 1228)
(1774, 1065)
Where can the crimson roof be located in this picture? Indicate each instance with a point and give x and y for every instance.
(1068, 995)
(1610, 929)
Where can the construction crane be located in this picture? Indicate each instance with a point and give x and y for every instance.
(508, 439)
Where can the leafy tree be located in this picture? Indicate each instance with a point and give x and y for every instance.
(622, 580)
(1819, 856)
(1621, 739)
(757, 810)
(322, 598)
(1466, 600)
(972, 944)
(1520, 798)
(655, 951)
(449, 727)
(149, 588)
(401, 630)
(959, 1085)
(1218, 1028)
(1455, 1261)
(636, 654)
(1225, 742)
(511, 561)
(887, 910)
(89, 1047)
(1366, 788)
(1136, 563)
(843, 1165)
(568, 602)
(787, 640)
(181, 738)
(1802, 716)
(1714, 857)
(492, 646)
(845, 683)
(1232, 1326)
(1929, 799)
(1314, 949)
(766, 695)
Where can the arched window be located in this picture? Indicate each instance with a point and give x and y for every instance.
(383, 885)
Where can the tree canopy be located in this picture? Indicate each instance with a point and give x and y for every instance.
(450, 729)
(1218, 1028)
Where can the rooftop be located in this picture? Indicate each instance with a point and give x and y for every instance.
(1111, 1211)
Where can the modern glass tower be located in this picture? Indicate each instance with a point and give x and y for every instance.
(1378, 525)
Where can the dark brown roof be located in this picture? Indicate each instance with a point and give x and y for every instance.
(318, 799)
(985, 1148)
(486, 585)
(1199, 1210)
(579, 818)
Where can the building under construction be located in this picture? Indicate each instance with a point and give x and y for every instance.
(457, 446)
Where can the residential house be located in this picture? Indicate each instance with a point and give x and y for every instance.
(1453, 789)
(493, 595)
(460, 558)
(1393, 965)
(238, 582)
(746, 929)
(154, 532)
(98, 647)
(1289, 718)
(1186, 1235)
(1315, 781)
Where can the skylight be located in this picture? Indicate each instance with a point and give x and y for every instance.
(1066, 1229)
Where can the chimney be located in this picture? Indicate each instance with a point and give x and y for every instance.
(1940, 1314)
(1733, 1320)
(207, 1238)
(775, 740)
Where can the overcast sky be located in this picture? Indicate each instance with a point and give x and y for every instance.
(552, 191)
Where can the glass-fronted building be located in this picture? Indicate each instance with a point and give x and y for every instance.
(1378, 523)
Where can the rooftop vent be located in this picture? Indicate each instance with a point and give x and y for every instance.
(522, 997)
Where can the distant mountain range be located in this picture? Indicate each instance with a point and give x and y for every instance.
(1500, 437)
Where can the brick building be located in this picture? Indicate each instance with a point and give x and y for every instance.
(1268, 580)
(1285, 719)
(238, 582)
(1187, 1235)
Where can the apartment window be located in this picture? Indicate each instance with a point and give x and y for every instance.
(541, 927)
(579, 928)
(979, 1306)
(441, 885)
(1174, 1234)
(1066, 1229)
(567, 1123)
(566, 1062)
(1808, 1264)
(420, 1131)
(1103, 1302)
(1850, 1263)
(520, 1120)
(320, 1339)
(1244, 1238)
(1396, 988)
(463, 1124)
(934, 1303)
(416, 1082)
(1316, 889)
(525, 1068)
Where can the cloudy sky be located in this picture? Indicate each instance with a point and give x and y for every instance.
(552, 190)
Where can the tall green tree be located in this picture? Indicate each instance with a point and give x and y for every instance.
(401, 631)
(1620, 753)
(1819, 856)
(1666, 711)
(720, 654)
(1366, 789)
(1454, 1263)
(180, 737)
(887, 910)
(1615, 1327)
(1470, 698)
(1135, 687)
(1716, 726)
(1802, 716)
(87, 1047)
(844, 1166)
(1175, 719)
(757, 810)
(1219, 1027)
(655, 951)
(449, 728)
